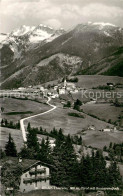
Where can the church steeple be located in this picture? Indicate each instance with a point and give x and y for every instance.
(65, 83)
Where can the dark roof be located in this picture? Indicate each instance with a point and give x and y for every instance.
(109, 83)
(38, 163)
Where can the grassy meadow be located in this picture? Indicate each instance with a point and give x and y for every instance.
(90, 81)
(103, 111)
(59, 118)
(16, 109)
(16, 135)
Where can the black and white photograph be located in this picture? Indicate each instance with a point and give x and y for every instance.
(61, 97)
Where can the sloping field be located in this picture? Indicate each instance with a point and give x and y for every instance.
(99, 139)
(16, 135)
(14, 109)
(89, 81)
(103, 111)
(59, 118)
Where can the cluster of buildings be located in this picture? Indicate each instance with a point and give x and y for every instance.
(110, 129)
(63, 88)
(113, 130)
(53, 92)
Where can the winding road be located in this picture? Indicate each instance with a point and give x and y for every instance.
(27, 118)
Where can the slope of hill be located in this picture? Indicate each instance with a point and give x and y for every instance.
(111, 65)
(48, 69)
(91, 43)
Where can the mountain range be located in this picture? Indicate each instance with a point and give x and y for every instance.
(34, 55)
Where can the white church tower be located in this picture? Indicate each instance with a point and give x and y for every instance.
(65, 83)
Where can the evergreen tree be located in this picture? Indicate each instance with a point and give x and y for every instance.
(32, 140)
(118, 152)
(11, 125)
(10, 148)
(78, 102)
(105, 148)
(2, 123)
(110, 145)
(2, 109)
(86, 171)
(111, 154)
(28, 127)
(114, 178)
(45, 151)
(65, 162)
(18, 125)
(6, 123)
(54, 132)
(2, 154)
(27, 153)
(99, 170)
(60, 138)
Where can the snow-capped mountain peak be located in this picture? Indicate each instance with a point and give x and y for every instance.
(25, 37)
(23, 30)
(103, 24)
(45, 26)
(32, 34)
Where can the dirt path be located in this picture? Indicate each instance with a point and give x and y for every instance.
(27, 118)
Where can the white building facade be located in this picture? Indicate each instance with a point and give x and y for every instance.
(34, 178)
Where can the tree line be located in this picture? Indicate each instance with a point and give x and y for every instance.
(10, 124)
(53, 133)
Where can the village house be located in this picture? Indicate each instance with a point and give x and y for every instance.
(21, 88)
(110, 84)
(62, 91)
(113, 129)
(74, 91)
(37, 176)
(107, 130)
(41, 88)
(91, 127)
(55, 88)
(53, 93)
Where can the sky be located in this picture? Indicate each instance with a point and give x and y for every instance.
(58, 13)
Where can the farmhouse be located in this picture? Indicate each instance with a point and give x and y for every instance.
(41, 88)
(107, 130)
(111, 85)
(37, 176)
(91, 127)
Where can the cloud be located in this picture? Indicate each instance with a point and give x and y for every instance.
(91, 12)
(56, 24)
(58, 13)
(100, 10)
